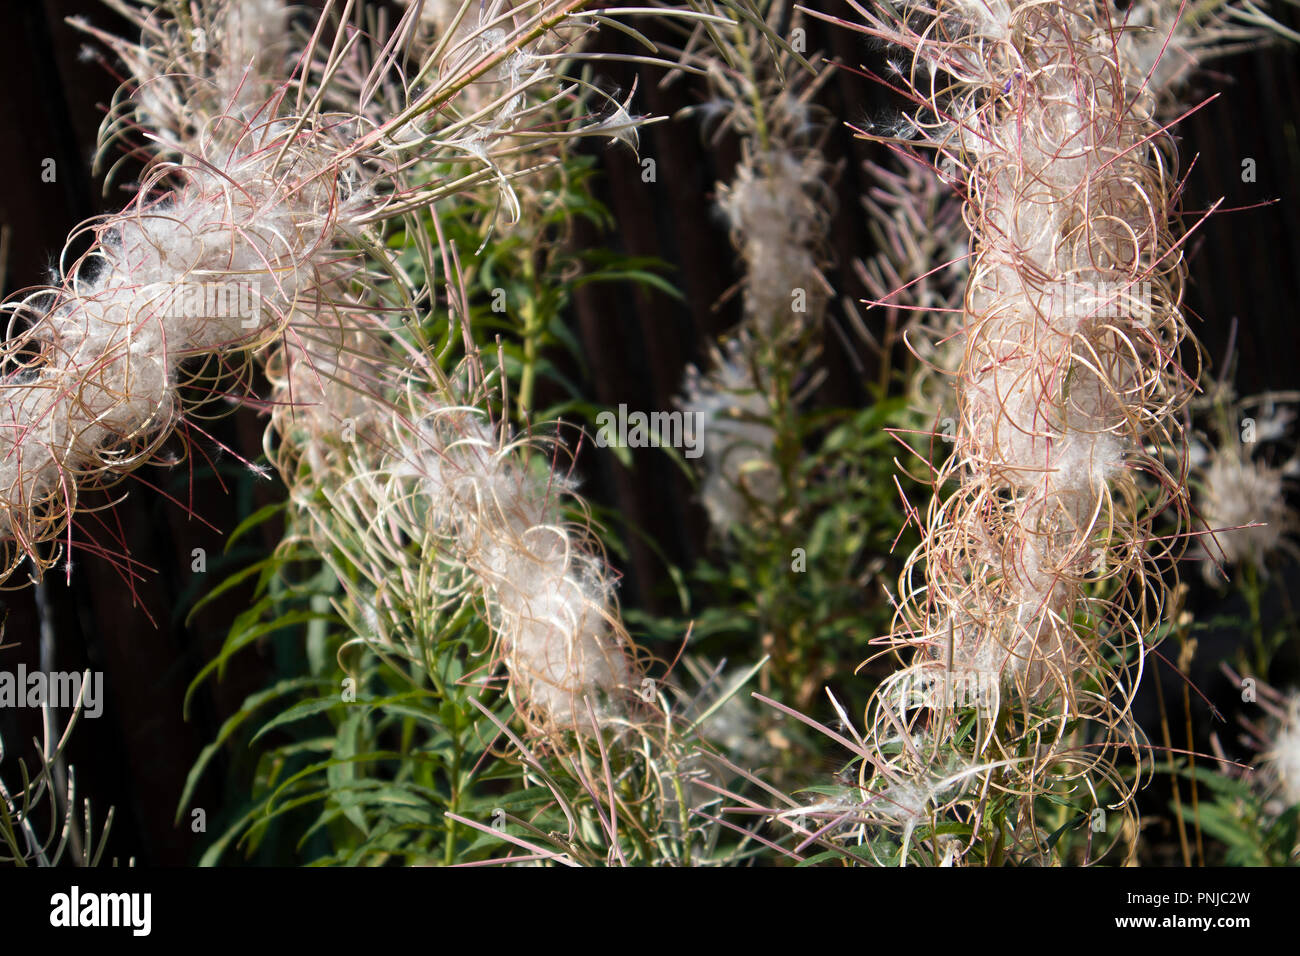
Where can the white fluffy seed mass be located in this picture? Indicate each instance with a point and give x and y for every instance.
(1281, 762)
(1050, 391)
(549, 596)
(777, 224)
(738, 441)
(1244, 504)
(214, 267)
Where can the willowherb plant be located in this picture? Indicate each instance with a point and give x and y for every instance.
(918, 277)
(1036, 584)
(1256, 808)
(1167, 41)
(403, 477)
(439, 506)
(493, 502)
(1280, 760)
(39, 824)
(213, 265)
(268, 198)
(779, 225)
(1241, 490)
(366, 419)
(195, 80)
(776, 208)
(367, 423)
(93, 378)
(922, 265)
(1244, 500)
(736, 418)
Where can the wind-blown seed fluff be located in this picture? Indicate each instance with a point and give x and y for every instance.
(548, 593)
(276, 173)
(1033, 584)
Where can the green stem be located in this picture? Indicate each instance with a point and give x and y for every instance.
(532, 334)
(1251, 591)
(453, 801)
